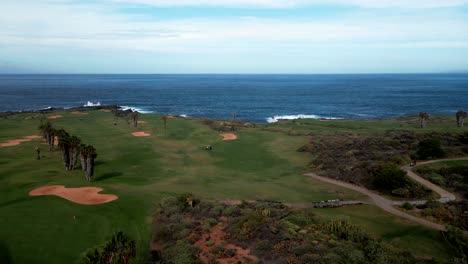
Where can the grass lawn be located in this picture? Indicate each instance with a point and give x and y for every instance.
(261, 164)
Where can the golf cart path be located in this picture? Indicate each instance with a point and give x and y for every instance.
(387, 205)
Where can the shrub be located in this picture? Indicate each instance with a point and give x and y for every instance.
(402, 192)
(407, 206)
(430, 148)
(389, 177)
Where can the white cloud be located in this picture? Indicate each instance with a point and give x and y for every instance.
(300, 3)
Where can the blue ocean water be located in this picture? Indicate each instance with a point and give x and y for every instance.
(255, 98)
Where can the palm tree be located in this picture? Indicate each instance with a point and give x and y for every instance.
(74, 144)
(64, 145)
(83, 157)
(90, 157)
(48, 132)
(461, 115)
(134, 116)
(423, 117)
(164, 119)
(119, 249)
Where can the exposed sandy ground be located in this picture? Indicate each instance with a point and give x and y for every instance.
(141, 122)
(141, 134)
(387, 205)
(229, 136)
(216, 235)
(14, 142)
(83, 195)
(171, 117)
(54, 117)
(105, 110)
(78, 113)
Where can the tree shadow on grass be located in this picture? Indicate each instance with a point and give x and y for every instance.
(99, 162)
(5, 255)
(108, 175)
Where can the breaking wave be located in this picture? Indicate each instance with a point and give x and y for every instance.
(275, 119)
(89, 103)
(139, 110)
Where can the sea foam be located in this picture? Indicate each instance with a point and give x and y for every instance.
(89, 104)
(275, 119)
(139, 110)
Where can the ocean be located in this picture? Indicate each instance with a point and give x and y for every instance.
(254, 98)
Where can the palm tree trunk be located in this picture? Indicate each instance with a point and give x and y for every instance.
(462, 120)
(83, 162)
(90, 168)
(66, 157)
(51, 142)
(73, 157)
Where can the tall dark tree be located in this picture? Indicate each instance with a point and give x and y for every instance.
(83, 157)
(90, 158)
(134, 116)
(164, 119)
(461, 115)
(423, 117)
(74, 144)
(48, 132)
(64, 145)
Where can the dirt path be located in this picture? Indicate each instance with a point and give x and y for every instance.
(387, 205)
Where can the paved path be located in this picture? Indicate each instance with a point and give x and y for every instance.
(387, 204)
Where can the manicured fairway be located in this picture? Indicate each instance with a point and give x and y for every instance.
(261, 164)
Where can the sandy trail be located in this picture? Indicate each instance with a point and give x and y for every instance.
(15, 142)
(83, 195)
(229, 136)
(105, 110)
(387, 205)
(54, 117)
(141, 134)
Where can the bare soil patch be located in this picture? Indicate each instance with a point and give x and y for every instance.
(82, 195)
(141, 122)
(105, 110)
(229, 136)
(14, 142)
(54, 117)
(78, 113)
(141, 134)
(216, 236)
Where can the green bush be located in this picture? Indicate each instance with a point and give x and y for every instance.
(389, 177)
(407, 206)
(430, 148)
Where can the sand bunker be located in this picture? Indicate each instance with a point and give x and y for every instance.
(83, 195)
(54, 117)
(141, 134)
(141, 122)
(228, 136)
(78, 113)
(14, 142)
(105, 110)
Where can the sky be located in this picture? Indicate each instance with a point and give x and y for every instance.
(233, 36)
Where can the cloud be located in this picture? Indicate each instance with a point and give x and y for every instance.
(300, 3)
(56, 30)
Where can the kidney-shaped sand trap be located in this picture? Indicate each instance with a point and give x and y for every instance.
(141, 134)
(82, 195)
(228, 136)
